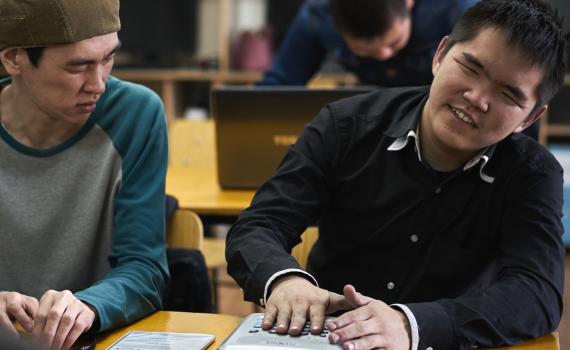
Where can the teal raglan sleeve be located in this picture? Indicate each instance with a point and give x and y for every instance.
(134, 287)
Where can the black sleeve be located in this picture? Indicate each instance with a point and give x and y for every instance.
(524, 298)
(260, 242)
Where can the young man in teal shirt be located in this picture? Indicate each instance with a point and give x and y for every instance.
(82, 177)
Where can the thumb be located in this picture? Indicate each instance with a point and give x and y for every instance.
(354, 298)
(337, 302)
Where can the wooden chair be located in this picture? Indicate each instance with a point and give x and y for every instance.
(190, 287)
(184, 229)
(301, 251)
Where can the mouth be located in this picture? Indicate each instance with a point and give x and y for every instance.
(87, 107)
(464, 117)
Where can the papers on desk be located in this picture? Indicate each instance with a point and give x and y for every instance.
(140, 340)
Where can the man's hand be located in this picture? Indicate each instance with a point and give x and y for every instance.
(17, 306)
(373, 324)
(61, 319)
(292, 299)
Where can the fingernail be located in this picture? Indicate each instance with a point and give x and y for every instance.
(333, 338)
(331, 326)
(350, 346)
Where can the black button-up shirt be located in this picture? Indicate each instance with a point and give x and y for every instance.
(476, 255)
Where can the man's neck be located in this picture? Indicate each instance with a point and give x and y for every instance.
(439, 157)
(31, 126)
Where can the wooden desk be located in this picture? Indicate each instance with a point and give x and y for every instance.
(192, 175)
(168, 321)
(197, 189)
(222, 325)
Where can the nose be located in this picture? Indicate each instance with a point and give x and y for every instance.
(477, 98)
(95, 80)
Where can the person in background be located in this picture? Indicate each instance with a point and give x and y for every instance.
(83, 160)
(385, 43)
(439, 221)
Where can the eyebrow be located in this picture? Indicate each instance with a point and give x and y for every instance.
(81, 61)
(518, 93)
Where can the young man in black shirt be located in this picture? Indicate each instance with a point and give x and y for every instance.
(429, 200)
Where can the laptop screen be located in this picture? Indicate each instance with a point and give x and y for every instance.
(256, 125)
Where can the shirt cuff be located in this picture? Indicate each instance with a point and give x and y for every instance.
(413, 325)
(281, 273)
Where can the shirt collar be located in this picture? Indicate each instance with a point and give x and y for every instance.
(402, 142)
(483, 158)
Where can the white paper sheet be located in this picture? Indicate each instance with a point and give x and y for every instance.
(140, 340)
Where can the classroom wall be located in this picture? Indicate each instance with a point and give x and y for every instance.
(246, 15)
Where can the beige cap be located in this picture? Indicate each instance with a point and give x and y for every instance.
(33, 23)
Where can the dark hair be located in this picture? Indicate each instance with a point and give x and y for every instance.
(531, 25)
(34, 54)
(366, 19)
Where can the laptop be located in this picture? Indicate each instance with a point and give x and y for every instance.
(249, 336)
(256, 125)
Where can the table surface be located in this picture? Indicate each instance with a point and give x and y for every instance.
(196, 188)
(222, 325)
(168, 321)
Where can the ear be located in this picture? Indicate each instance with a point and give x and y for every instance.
(531, 119)
(12, 58)
(438, 57)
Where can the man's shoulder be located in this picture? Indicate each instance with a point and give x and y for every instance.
(522, 149)
(317, 5)
(317, 14)
(456, 7)
(128, 102)
(433, 19)
(125, 90)
(128, 111)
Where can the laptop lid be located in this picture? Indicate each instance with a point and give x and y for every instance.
(256, 125)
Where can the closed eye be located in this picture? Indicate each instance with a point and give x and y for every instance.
(511, 99)
(75, 69)
(108, 58)
(466, 68)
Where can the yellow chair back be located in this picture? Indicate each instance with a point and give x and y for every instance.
(184, 229)
(301, 251)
